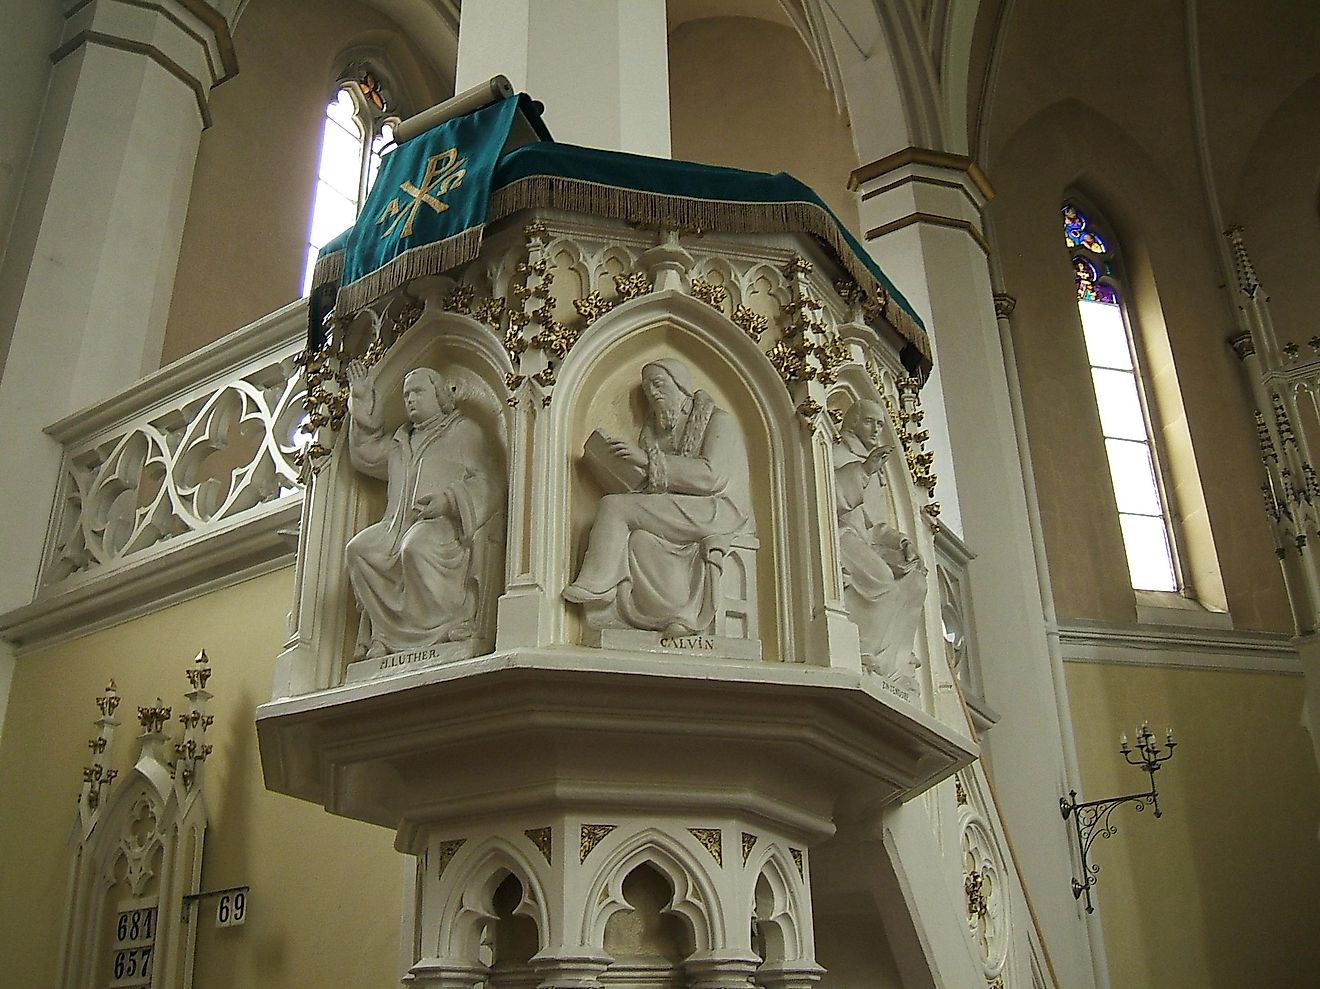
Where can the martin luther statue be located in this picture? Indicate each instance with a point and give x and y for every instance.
(414, 572)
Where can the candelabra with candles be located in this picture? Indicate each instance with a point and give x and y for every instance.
(1091, 817)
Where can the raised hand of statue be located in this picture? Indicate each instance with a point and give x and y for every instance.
(628, 452)
(875, 461)
(361, 391)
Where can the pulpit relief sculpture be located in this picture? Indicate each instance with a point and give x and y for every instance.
(884, 578)
(418, 573)
(678, 500)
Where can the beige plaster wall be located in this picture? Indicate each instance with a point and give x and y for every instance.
(1219, 892)
(244, 243)
(29, 32)
(744, 92)
(1128, 145)
(1276, 199)
(852, 946)
(325, 891)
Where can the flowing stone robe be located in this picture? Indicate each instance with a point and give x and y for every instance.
(884, 580)
(656, 551)
(416, 578)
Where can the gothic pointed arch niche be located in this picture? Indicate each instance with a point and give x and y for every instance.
(598, 389)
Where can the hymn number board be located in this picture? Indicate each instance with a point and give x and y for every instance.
(133, 952)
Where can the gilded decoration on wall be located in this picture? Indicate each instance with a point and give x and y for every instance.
(459, 299)
(97, 776)
(748, 843)
(809, 408)
(907, 416)
(152, 718)
(632, 286)
(833, 353)
(490, 311)
(541, 838)
(974, 886)
(711, 839)
(593, 307)
(751, 323)
(708, 292)
(798, 265)
(591, 836)
(445, 852)
(555, 338)
(790, 362)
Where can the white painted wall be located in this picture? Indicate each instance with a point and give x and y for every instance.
(600, 67)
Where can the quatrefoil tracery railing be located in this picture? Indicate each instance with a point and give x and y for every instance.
(179, 469)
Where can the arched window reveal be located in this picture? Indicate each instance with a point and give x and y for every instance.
(359, 125)
(1124, 416)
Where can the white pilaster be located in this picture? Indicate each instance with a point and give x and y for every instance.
(89, 269)
(921, 211)
(601, 67)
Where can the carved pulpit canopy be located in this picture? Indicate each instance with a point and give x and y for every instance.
(739, 319)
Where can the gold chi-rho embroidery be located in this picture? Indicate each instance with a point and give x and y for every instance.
(444, 173)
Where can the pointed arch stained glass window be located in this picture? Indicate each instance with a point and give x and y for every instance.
(359, 126)
(1124, 416)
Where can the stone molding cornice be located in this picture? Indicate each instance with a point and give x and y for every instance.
(220, 40)
(934, 219)
(922, 156)
(1178, 647)
(138, 48)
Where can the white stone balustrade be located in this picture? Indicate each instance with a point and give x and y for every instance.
(176, 485)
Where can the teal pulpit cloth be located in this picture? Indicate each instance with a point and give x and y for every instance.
(435, 193)
(424, 214)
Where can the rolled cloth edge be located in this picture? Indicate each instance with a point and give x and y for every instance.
(470, 100)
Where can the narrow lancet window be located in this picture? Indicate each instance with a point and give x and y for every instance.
(1124, 416)
(359, 125)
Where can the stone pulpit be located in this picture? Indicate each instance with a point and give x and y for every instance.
(616, 576)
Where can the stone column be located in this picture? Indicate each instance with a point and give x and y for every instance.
(921, 213)
(601, 67)
(729, 969)
(89, 268)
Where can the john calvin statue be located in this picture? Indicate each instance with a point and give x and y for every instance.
(414, 571)
(678, 497)
(884, 579)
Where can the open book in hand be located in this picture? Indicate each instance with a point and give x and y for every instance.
(611, 471)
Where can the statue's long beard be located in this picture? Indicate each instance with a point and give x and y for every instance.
(666, 415)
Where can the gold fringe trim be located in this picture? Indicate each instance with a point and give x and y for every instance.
(663, 209)
(329, 268)
(417, 262)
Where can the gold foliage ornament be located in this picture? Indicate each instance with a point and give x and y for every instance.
(592, 307)
(708, 292)
(751, 323)
(712, 840)
(632, 286)
(591, 836)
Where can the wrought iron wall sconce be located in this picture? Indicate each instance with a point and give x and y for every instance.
(1091, 817)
